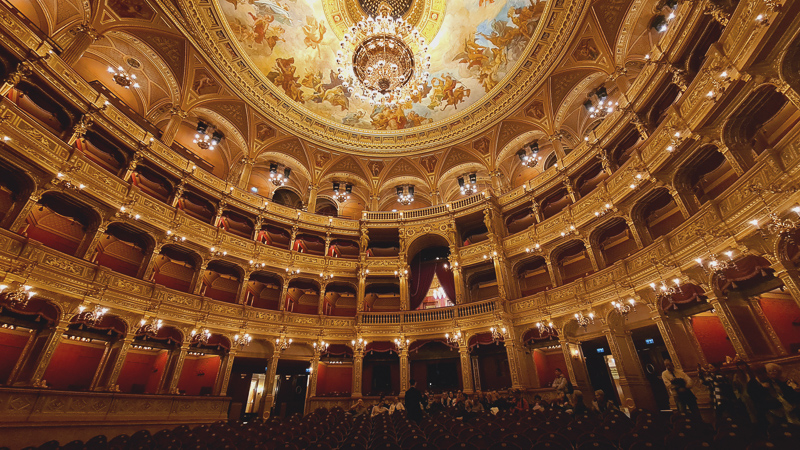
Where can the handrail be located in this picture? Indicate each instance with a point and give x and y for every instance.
(428, 315)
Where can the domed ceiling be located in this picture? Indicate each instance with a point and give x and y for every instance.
(476, 47)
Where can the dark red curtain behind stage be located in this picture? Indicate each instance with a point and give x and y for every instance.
(445, 276)
(421, 276)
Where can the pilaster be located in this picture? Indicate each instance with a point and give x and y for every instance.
(466, 370)
(358, 362)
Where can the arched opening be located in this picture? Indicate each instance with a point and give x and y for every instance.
(555, 203)
(573, 261)
(201, 366)
(326, 207)
(309, 243)
(494, 372)
(616, 241)
(520, 220)
(15, 190)
(431, 283)
(175, 268)
(153, 183)
(754, 127)
(146, 362)
(335, 372)
(20, 327)
(706, 175)
(53, 114)
(104, 151)
(382, 295)
(60, 222)
(197, 206)
(659, 213)
(122, 249)
(668, 95)
(380, 370)
(621, 149)
(236, 223)
(287, 197)
(533, 276)
(590, 179)
(340, 300)
(274, 236)
(343, 248)
(435, 365)
(264, 291)
(221, 281)
(546, 353)
(302, 296)
(482, 283)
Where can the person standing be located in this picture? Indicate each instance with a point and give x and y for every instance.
(413, 401)
(679, 386)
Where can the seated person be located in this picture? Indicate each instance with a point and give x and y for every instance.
(538, 404)
(601, 404)
(358, 408)
(396, 405)
(380, 407)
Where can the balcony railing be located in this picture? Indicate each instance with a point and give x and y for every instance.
(430, 315)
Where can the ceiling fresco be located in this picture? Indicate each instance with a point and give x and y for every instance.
(474, 46)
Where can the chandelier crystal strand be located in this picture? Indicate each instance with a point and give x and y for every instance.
(359, 345)
(454, 337)
(383, 60)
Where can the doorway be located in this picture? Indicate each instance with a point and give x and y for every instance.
(652, 352)
(601, 368)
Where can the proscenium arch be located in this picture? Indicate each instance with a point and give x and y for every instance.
(421, 241)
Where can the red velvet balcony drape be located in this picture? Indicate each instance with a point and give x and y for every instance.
(445, 277)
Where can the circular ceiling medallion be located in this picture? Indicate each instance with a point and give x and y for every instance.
(485, 57)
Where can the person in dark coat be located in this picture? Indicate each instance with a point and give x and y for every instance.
(414, 402)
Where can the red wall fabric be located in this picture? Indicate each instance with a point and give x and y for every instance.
(11, 345)
(712, 338)
(139, 368)
(495, 373)
(546, 364)
(782, 315)
(52, 240)
(117, 265)
(73, 365)
(334, 378)
(159, 367)
(172, 283)
(198, 372)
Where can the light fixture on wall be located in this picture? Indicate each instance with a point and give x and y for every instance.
(546, 328)
(19, 297)
(529, 154)
(64, 181)
(279, 179)
(342, 195)
(383, 60)
(325, 276)
(584, 321)
(126, 211)
(282, 343)
(714, 264)
(454, 337)
(201, 336)
(535, 249)
(468, 186)
(205, 138)
(243, 339)
(92, 316)
(405, 194)
(359, 344)
(171, 236)
(321, 346)
(401, 343)
(123, 78)
(499, 333)
(491, 255)
(290, 271)
(214, 252)
(775, 226)
(604, 209)
(401, 273)
(602, 107)
(569, 230)
(149, 327)
(661, 289)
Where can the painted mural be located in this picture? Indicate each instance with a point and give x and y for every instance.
(476, 47)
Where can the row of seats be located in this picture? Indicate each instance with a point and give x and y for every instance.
(511, 430)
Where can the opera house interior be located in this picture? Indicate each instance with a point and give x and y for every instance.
(365, 224)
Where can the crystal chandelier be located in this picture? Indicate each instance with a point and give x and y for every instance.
(201, 337)
(468, 187)
(282, 343)
(661, 289)
(570, 230)
(19, 296)
(339, 195)
(276, 178)
(123, 78)
(405, 195)
(203, 139)
(603, 107)
(383, 60)
(359, 345)
(498, 333)
(90, 317)
(149, 328)
(529, 154)
(454, 337)
(584, 321)
(401, 343)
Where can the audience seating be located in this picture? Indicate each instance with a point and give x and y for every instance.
(509, 430)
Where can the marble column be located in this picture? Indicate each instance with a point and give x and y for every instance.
(632, 382)
(268, 399)
(576, 367)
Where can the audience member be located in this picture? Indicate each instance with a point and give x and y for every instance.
(679, 386)
(601, 404)
(358, 408)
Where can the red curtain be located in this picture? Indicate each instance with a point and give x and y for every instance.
(445, 277)
(421, 278)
